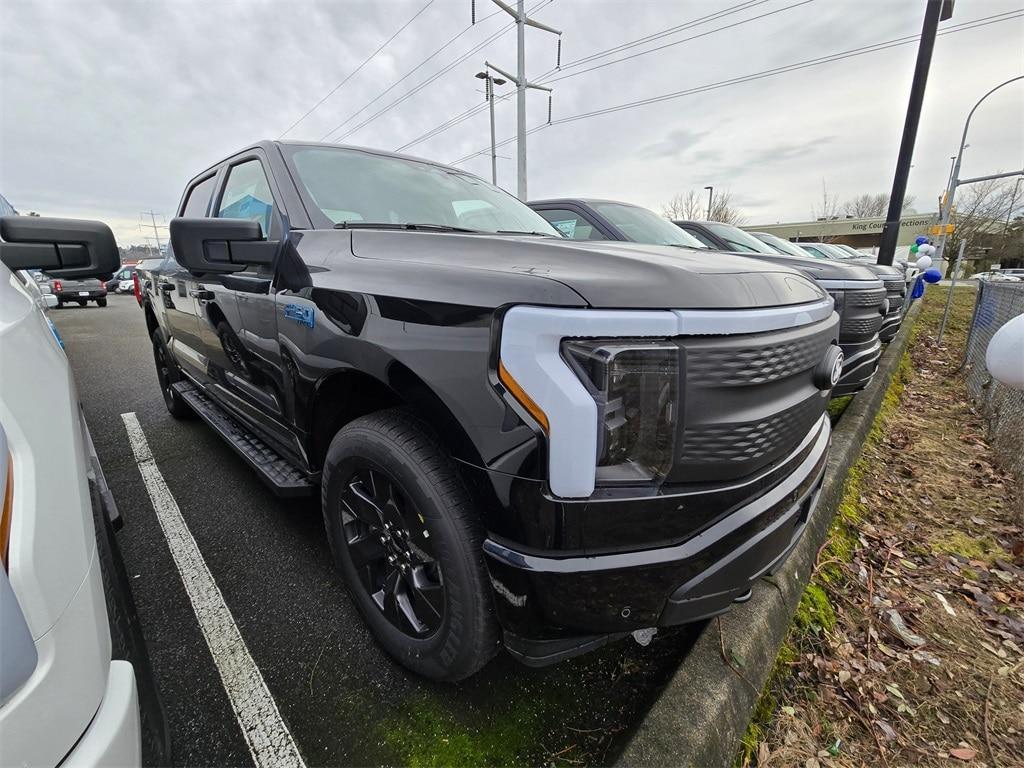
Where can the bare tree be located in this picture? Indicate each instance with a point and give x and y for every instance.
(868, 206)
(827, 209)
(980, 215)
(694, 205)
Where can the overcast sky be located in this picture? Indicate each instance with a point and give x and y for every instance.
(107, 107)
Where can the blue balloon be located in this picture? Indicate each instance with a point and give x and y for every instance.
(932, 275)
(921, 240)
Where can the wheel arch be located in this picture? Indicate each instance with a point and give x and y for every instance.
(345, 395)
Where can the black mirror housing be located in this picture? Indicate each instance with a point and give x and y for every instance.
(65, 248)
(220, 246)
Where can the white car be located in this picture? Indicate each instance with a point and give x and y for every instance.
(995, 277)
(74, 670)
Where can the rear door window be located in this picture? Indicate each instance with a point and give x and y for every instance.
(199, 198)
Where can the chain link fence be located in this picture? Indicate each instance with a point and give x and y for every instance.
(1002, 407)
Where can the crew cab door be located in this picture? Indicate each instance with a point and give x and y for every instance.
(237, 326)
(174, 287)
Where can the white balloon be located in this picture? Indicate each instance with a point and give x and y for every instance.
(926, 250)
(1004, 357)
(923, 262)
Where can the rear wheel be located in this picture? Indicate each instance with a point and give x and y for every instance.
(167, 373)
(406, 537)
(101, 302)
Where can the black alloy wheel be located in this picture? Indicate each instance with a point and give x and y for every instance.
(391, 551)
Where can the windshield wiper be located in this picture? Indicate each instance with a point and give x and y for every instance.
(523, 232)
(407, 225)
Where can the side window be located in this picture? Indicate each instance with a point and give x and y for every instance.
(247, 195)
(571, 225)
(702, 237)
(199, 198)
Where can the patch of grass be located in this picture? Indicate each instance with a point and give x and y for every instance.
(837, 405)
(985, 549)
(766, 705)
(429, 735)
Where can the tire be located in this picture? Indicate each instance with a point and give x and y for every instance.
(60, 304)
(443, 577)
(167, 373)
(126, 639)
(101, 302)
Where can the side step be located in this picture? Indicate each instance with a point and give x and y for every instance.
(283, 477)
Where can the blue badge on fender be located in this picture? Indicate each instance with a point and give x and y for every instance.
(304, 315)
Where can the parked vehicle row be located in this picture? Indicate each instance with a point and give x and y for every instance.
(76, 686)
(859, 296)
(503, 424)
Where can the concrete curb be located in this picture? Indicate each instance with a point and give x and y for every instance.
(701, 715)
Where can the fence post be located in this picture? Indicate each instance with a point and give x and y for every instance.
(952, 285)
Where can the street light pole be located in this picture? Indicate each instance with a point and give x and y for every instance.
(955, 176)
(711, 193)
(489, 83)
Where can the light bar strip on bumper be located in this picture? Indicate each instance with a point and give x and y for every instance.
(850, 285)
(690, 547)
(531, 340)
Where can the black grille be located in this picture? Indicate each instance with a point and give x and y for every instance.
(861, 326)
(750, 441)
(748, 400)
(749, 364)
(871, 297)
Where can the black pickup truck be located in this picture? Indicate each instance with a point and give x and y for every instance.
(859, 296)
(517, 439)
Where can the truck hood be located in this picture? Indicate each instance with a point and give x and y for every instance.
(818, 269)
(605, 273)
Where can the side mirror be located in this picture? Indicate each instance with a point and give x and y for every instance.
(65, 248)
(220, 245)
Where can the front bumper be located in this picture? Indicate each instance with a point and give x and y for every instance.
(554, 607)
(859, 364)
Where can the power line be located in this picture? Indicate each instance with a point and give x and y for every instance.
(678, 42)
(839, 56)
(416, 89)
(452, 122)
(462, 117)
(404, 77)
(353, 73)
(659, 34)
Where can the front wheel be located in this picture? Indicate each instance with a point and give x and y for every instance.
(407, 539)
(167, 373)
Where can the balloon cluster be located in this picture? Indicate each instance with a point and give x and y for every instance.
(924, 252)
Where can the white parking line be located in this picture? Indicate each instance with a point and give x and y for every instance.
(270, 742)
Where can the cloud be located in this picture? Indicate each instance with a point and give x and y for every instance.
(110, 106)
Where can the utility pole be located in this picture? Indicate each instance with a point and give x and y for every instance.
(711, 195)
(522, 21)
(935, 11)
(156, 229)
(489, 82)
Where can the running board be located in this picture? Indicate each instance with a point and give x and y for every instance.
(283, 477)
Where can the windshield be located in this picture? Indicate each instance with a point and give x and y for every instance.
(782, 246)
(814, 250)
(738, 240)
(354, 186)
(643, 226)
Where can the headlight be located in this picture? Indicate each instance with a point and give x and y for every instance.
(635, 384)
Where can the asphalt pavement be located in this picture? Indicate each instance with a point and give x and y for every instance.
(344, 701)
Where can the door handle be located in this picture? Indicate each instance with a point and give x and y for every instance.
(202, 295)
(166, 287)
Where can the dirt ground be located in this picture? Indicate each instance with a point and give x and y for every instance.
(907, 646)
